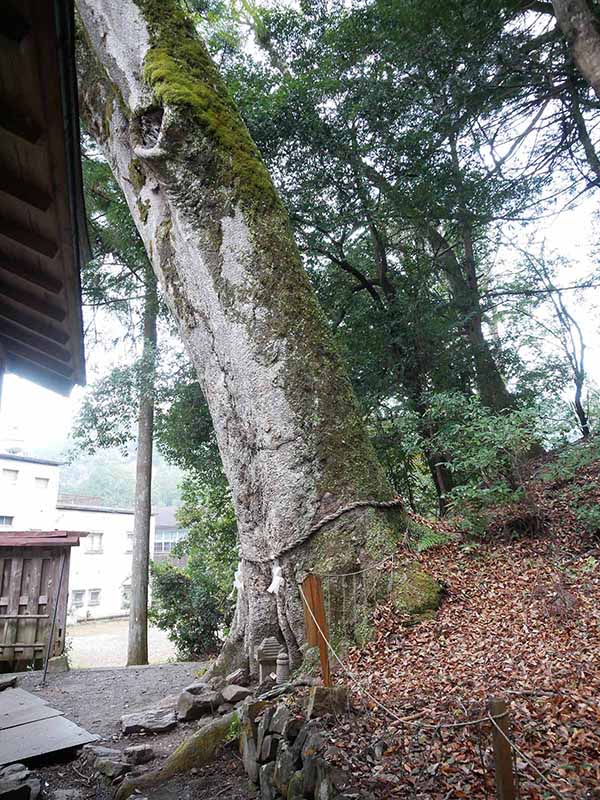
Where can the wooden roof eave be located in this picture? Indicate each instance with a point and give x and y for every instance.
(43, 233)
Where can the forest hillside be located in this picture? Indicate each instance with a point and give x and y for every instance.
(519, 617)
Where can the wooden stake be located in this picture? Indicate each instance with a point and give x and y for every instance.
(505, 779)
(313, 592)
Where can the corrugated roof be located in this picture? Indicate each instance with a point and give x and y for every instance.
(40, 538)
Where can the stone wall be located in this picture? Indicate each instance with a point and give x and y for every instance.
(285, 755)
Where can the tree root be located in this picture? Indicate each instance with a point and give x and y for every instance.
(197, 751)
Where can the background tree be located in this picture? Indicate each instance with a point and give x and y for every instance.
(120, 278)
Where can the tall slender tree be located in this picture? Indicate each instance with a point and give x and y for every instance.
(137, 646)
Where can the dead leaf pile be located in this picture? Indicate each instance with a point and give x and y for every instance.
(520, 619)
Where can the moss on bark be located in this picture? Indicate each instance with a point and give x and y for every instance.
(182, 75)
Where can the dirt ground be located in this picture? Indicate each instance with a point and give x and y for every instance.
(97, 698)
(104, 644)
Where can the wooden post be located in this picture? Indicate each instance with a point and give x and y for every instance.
(313, 592)
(505, 779)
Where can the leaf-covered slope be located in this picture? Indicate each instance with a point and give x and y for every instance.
(520, 619)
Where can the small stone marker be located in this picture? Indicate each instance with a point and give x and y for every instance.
(139, 753)
(110, 768)
(283, 667)
(239, 677)
(266, 655)
(193, 706)
(233, 694)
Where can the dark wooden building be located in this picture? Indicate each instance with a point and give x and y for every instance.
(43, 245)
(34, 579)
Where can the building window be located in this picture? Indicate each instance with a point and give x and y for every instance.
(9, 477)
(42, 483)
(5, 522)
(94, 597)
(129, 542)
(78, 598)
(164, 541)
(125, 596)
(94, 543)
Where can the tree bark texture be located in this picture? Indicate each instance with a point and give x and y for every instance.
(581, 28)
(137, 646)
(462, 279)
(292, 441)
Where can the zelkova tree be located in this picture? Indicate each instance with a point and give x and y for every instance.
(292, 441)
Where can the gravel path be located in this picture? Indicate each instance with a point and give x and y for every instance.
(97, 698)
(104, 644)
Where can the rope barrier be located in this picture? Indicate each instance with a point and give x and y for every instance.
(437, 728)
(519, 752)
(395, 502)
(360, 571)
(378, 703)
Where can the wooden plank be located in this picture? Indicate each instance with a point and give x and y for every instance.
(33, 323)
(313, 592)
(30, 273)
(25, 192)
(20, 125)
(32, 299)
(14, 595)
(30, 239)
(27, 714)
(39, 738)
(17, 699)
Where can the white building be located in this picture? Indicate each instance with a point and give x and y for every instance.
(100, 572)
(28, 492)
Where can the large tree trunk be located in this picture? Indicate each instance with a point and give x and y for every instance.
(581, 27)
(137, 648)
(292, 441)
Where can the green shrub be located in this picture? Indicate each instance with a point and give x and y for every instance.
(488, 451)
(589, 516)
(570, 460)
(195, 605)
(189, 607)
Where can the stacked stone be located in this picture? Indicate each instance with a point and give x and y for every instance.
(284, 755)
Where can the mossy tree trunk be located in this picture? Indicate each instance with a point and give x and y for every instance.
(580, 24)
(293, 444)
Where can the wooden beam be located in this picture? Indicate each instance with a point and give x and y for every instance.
(30, 273)
(9, 330)
(19, 350)
(25, 192)
(28, 238)
(13, 27)
(32, 301)
(32, 323)
(40, 375)
(20, 125)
